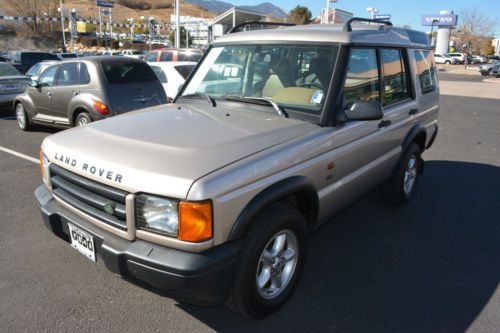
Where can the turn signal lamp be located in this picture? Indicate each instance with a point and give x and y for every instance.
(195, 221)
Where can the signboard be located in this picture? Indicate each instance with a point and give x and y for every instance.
(382, 17)
(440, 20)
(102, 3)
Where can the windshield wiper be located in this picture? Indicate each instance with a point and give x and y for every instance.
(209, 98)
(258, 100)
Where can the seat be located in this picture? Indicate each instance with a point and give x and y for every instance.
(278, 79)
(317, 73)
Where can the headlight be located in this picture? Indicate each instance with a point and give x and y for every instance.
(157, 214)
(44, 168)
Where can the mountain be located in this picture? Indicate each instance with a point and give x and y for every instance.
(216, 6)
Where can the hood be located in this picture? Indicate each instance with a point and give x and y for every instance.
(164, 149)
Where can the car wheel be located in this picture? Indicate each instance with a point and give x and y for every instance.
(400, 187)
(447, 62)
(82, 119)
(488, 72)
(271, 260)
(23, 121)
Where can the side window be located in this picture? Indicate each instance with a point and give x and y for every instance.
(395, 76)
(425, 71)
(160, 73)
(84, 74)
(68, 74)
(166, 56)
(151, 56)
(49, 75)
(362, 82)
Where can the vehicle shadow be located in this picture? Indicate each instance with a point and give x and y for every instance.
(429, 266)
(7, 114)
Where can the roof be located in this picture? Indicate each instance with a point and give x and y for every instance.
(334, 33)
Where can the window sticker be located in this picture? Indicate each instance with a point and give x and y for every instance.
(317, 97)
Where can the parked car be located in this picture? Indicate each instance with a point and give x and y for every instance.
(494, 57)
(63, 56)
(77, 92)
(34, 72)
(173, 55)
(12, 83)
(212, 198)
(172, 75)
(459, 57)
(489, 69)
(24, 60)
(132, 53)
(479, 59)
(444, 59)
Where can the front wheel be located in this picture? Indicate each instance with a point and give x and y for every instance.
(23, 120)
(271, 261)
(400, 187)
(447, 62)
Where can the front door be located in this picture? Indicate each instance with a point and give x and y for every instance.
(42, 95)
(65, 89)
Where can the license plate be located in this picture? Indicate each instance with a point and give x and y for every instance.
(11, 86)
(82, 241)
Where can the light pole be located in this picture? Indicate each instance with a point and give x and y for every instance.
(132, 25)
(177, 26)
(62, 25)
(432, 28)
(372, 10)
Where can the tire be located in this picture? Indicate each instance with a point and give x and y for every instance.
(82, 119)
(23, 120)
(488, 72)
(401, 186)
(264, 237)
(447, 62)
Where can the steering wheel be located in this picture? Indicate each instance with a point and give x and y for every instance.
(309, 85)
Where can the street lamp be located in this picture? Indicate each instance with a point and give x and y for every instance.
(434, 20)
(132, 25)
(372, 10)
(62, 24)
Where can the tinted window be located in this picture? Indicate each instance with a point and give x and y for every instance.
(68, 74)
(151, 56)
(34, 57)
(362, 82)
(8, 70)
(184, 70)
(395, 77)
(48, 76)
(189, 56)
(426, 71)
(166, 56)
(84, 74)
(160, 74)
(118, 72)
(68, 55)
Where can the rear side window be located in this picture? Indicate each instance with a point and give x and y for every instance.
(118, 72)
(160, 73)
(8, 70)
(395, 76)
(189, 56)
(68, 74)
(184, 70)
(166, 56)
(425, 71)
(84, 74)
(362, 82)
(151, 56)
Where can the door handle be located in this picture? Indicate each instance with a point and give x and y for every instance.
(413, 111)
(74, 93)
(49, 94)
(384, 123)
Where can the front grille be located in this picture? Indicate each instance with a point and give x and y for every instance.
(91, 198)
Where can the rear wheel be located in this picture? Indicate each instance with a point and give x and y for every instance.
(400, 187)
(23, 121)
(82, 119)
(447, 62)
(271, 261)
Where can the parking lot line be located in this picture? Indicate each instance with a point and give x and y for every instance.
(15, 153)
(8, 118)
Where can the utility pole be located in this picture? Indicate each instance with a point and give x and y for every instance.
(62, 24)
(100, 22)
(177, 26)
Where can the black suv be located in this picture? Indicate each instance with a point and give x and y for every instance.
(24, 60)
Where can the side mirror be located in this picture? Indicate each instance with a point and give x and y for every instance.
(33, 83)
(364, 110)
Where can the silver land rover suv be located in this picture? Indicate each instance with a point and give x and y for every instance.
(211, 198)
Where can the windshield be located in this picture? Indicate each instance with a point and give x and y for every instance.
(296, 77)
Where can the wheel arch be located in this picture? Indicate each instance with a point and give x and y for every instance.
(417, 134)
(298, 191)
(75, 111)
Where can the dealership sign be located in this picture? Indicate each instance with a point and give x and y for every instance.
(382, 17)
(102, 3)
(440, 19)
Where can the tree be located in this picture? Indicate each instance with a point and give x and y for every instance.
(474, 28)
(300, 15)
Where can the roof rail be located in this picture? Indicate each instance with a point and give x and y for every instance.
(238, 26)
(348, 27)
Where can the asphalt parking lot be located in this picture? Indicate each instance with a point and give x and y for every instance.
(431, 266)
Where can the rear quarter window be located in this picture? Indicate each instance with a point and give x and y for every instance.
(184, 70)
(119, 72)
(426, 72)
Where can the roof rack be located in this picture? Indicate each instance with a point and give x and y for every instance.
(348, 27)
(238, 26)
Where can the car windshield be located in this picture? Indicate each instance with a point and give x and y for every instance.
(8, 70)
(296, 77)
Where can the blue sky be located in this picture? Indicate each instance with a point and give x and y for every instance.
(402, 11)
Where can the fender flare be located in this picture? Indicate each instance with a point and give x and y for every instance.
(272, 194)
(416, 130)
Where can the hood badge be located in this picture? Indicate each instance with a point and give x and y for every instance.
(109, 208)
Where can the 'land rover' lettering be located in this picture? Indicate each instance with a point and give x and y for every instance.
(90, 168)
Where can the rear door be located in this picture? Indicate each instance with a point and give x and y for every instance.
(131, 85)
(42, 96)
(65, 88)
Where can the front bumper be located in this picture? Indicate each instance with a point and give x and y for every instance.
(197, 278)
